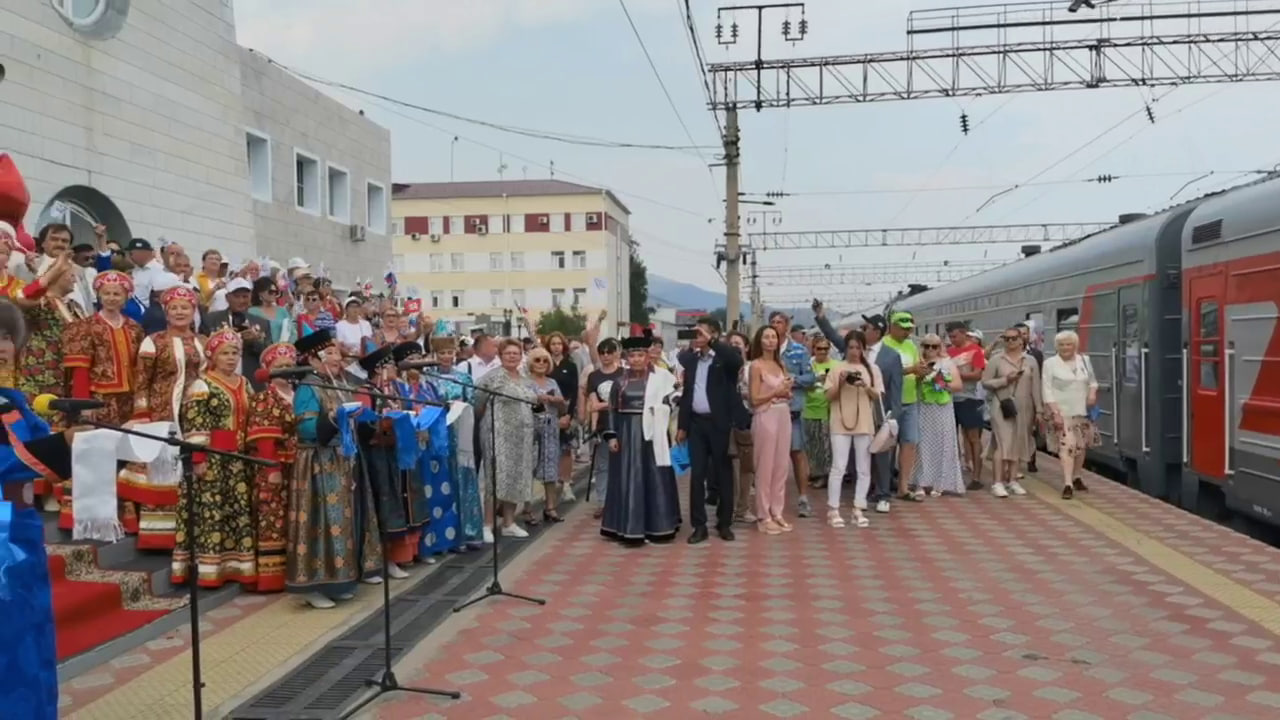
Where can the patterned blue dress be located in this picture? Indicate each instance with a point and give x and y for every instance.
(28, 655)
(462, 463)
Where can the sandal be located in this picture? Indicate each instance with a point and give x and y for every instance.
(834, 519)
(861, 520)
(530, 520)
(783, 524)
(1078, 484)
(1068, 492)
(552, 516)
(768, 527)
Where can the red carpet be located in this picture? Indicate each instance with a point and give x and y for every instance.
(88, 614)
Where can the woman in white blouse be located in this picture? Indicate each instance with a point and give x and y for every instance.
(1069, 389)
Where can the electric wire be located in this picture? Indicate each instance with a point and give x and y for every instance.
(565, 138)
(699, 57)
(666, 93)
(1099, 179)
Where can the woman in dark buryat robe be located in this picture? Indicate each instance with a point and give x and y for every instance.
(642, 502)
(28, 659)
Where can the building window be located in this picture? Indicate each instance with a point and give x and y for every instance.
(437, 298)
(495, 298)
(557, 260)
(579, 259)
(557, 222)
(517, 261)
(495, 261)
(578, 222)
(306, 181)
(435, 225)
(456, 262)
(579, 296)
(455, 298)
(557, 297)
(435, 261)
(515, 223)
(457, 225)
(375, 202)
(258, 153)
(517, 298)
(338, 182)
(496, 223)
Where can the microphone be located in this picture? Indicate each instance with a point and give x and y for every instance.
(49, 404)
(291, 373)
(417, 364)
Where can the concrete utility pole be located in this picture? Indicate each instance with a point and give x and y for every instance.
(732, 246)
(757, 307)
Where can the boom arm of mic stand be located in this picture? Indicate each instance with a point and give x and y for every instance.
(368, 393)
(181, 445)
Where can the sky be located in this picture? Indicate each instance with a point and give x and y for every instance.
(576, 67)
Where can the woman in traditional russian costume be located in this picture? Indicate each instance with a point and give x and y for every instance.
(332, 529)
(28, 451)
(454, 386)
(101, 352)
(215, 414)
(169, 361)
(273, 436)
(642, 502)
(400, 495)
(442, 532)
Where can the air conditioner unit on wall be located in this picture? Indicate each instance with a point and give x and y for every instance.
(593, 218)
(356, 233)
(482, 230)
(435, 237)
(544, 220)
(415, 237)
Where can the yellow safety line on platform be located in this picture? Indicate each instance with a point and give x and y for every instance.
(232, 660)
(1209, 582)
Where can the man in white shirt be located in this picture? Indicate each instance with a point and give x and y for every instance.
(484, 360)
(145, 268)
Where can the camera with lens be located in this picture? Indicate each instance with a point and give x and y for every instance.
(854, 378)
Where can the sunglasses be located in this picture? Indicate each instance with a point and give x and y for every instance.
(930, 346)
(1011, 338)
(539, 361)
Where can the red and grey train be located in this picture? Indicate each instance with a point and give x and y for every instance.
(1178, 313)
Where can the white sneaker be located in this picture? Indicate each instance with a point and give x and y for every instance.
(1016, 488)
(804, 510)
(375, 580)
(396, 572)
(345, 596)
(748, 517)
(514, 530)
(998, 490)
(882, 506)
(487, 535)
(318, 601)
(566, 493)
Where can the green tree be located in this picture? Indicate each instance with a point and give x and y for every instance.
(571, 322)
(639, 291)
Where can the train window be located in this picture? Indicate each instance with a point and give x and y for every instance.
(1067, 318)
(1130, 332)
(1207, 355)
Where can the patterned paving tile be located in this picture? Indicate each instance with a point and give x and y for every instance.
(957, 608)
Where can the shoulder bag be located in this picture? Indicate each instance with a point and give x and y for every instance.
(1009, 408)
(886, 436)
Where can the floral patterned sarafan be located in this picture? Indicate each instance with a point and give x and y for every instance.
(273, 436)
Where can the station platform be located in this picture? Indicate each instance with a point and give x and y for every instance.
(1112, 606)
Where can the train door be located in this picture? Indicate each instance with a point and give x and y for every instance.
(1129, 379)
(1206, 368)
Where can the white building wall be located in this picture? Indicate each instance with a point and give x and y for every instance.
(143, 117)
(152, 115)
(295, 115)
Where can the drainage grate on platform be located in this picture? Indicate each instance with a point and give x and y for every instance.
(335, 676)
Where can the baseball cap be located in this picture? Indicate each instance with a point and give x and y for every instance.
(162, 281)
(239, 284)
(975, 334)
(903, 320)
(138, 244)
(876, 321)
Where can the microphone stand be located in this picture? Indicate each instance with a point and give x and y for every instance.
(185, 450)
(387, 681)
(495, 588)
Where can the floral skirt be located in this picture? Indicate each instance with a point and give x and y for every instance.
(1078, 435)
(817, 446)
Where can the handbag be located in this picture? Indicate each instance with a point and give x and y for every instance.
(886, 437)
(1008, 408)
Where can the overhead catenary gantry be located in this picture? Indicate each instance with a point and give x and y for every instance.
(1043, 233)
(1131, 44)
(871, 273)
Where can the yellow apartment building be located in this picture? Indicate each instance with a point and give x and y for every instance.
(474, 248)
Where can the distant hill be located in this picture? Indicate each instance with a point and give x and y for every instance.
(665, 292)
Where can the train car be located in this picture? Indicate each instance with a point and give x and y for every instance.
(1231, 281)
(1119, 291)
(1186, 298)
